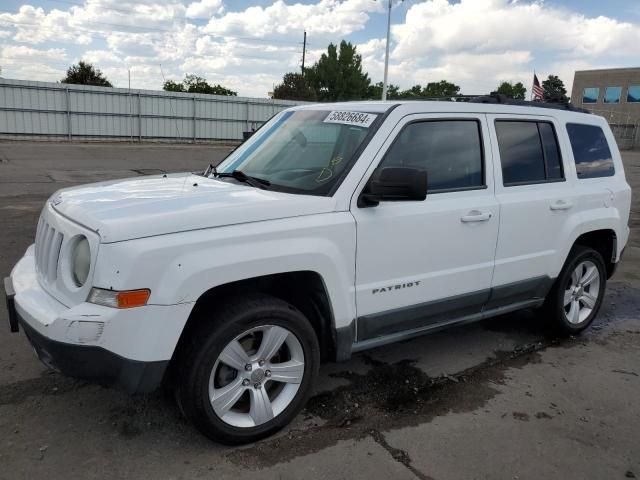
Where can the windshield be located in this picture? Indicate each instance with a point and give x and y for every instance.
(304, 151)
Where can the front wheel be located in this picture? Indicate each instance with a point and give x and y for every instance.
(251, 372)
(575, 298)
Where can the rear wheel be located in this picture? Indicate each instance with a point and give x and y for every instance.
(575, 299)
(251, 372)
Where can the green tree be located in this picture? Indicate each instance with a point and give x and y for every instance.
(441, 89)
(196, 84)
(516, 91)
(294, 87)
(413, 92)
(338, 74)
(171, 86)
(554, 89)
(85, 74)
(374, 92)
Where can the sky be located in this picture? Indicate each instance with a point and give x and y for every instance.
(248, 45)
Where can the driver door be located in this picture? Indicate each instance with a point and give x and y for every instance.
(424, 263)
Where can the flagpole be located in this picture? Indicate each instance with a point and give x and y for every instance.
(531, 94)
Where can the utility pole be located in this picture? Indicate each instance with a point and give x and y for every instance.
(304, 50)
(386, 56)
(130, 108)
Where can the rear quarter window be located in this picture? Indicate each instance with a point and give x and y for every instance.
(590, 151)
(529, 152)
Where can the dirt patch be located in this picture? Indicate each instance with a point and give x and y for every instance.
(50, 383)
(543, 415)
(389, 396)
(523, 417)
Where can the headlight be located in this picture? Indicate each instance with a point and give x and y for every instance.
(81, 261)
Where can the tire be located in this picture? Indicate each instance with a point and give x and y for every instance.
(242, 414)
(569, 311)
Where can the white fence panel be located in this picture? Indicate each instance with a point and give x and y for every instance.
(80, 112)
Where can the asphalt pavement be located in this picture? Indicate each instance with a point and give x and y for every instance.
(494, 400)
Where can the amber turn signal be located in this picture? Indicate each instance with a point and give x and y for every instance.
(133, 298)
(123, 299)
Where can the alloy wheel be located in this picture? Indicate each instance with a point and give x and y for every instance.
(256, 376)
(581, 294)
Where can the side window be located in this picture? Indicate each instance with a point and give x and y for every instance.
(449, 150)
(529, 152)
(590, 151)
(551, 151)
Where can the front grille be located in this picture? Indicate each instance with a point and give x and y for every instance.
(48, 244)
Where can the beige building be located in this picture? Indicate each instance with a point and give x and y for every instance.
(615, 94)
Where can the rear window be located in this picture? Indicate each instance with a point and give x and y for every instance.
(529, 152)
(590, 151)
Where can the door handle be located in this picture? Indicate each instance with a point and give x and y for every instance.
(561, 205)
(475, 216)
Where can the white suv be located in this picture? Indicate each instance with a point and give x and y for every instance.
(333, 229)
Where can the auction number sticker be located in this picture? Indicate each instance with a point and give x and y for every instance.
(359, 119)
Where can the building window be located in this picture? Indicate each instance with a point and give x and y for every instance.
(529, 152)
(633, 94)
(612, 94)
(590, 95)
(590, 151)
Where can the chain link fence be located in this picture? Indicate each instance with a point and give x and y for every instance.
(625, 127)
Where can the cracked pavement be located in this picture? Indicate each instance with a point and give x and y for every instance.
(492, 400)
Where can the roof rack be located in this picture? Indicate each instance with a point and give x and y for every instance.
(498, 98)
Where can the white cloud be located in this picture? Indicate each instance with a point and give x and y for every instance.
(325, 18)
(490, 25)
(34, 26)
(204, 8)
(24, 53)
(20, 61)
(475, 43)
(478, 43)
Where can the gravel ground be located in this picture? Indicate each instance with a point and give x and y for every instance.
(499, 399)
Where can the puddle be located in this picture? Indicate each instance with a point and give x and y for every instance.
(388, 396)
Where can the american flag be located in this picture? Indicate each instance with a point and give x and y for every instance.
(537, 89)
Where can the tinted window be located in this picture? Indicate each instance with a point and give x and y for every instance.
(520, 152)
(590, 95)
(450, 152)
(529, 152)
(590, 151)
(633, 93)
(612, 94)
(551, 151)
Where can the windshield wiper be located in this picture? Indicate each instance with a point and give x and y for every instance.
(210, 169)
(243, 177)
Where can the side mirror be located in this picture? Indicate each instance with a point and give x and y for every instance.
(395, 184)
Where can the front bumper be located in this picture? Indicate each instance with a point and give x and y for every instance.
(96, 364)
(122, 348)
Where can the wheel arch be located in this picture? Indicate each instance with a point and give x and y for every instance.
(305, 290)
(605, 242)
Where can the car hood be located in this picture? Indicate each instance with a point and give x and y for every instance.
(155, 205)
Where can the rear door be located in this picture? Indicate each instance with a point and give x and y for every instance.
(535, 198)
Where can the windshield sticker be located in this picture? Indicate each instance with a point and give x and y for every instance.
(359, 119)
